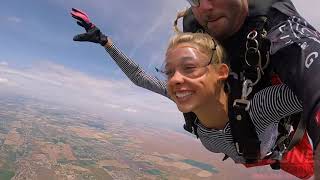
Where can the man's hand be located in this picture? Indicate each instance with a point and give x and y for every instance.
(92, 34)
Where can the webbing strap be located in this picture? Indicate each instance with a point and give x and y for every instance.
(298, 134)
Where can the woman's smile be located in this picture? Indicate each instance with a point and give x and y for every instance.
(184, 95)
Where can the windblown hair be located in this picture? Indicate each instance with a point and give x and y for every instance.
(202, 42)
(180, 14)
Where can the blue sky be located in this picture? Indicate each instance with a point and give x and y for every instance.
(40, 30)
(38, 57)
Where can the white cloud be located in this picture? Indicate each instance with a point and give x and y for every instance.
(112, 105)
(3, 80)
(167, 11)
(14, 19)
(309, 11)
(31, 77)
(56, 83)
(3, 63)
(130, 110)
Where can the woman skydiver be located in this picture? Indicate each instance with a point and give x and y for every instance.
(196, 73)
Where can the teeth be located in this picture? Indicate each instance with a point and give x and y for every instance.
(183, 94)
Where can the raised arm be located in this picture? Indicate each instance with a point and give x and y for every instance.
(132, 70)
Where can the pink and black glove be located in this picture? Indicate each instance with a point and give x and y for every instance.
(93, 34)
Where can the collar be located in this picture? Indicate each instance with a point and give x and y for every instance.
(260, 7)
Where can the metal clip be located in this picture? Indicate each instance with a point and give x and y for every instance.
(250, 52)
(246, 88)
(238, 149)
(258, 77)
(252, 35)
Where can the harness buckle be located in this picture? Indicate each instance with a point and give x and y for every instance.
(241, 104)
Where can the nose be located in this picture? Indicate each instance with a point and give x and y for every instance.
(206, 5)
(176, 78)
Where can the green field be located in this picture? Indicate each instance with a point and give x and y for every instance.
(6, 174)
(203, 166)
(153, 172)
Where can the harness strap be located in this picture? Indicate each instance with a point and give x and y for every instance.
(285, 143)
(190, 124)
(242, 128)
(298, 135)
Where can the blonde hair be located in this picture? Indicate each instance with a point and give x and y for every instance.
(202, 42)
(180, 14)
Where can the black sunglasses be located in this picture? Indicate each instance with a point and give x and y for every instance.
(194, 3)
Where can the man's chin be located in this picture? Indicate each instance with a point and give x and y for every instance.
(219, 34)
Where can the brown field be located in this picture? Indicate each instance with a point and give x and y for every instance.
(56, 152)
(177, 144)
(180, 146)
(204, 174)
(13, 138)
(89, 133)
(2, 136)
(101, 174)
(162, 162)
(16, 124)
(113, 163)
(76, 168)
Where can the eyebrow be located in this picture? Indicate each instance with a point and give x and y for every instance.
(185, 58)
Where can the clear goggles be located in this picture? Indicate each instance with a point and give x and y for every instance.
(190, 68)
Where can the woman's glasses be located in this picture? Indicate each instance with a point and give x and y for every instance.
(189, 68)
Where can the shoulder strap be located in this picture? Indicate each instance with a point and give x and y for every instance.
(243, 130)
(260, 8)
(190, 124)
(285, 142)
(299, 132)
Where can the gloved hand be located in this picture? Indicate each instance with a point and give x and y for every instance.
(92, 34)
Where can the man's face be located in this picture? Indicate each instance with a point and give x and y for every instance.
(221, 18)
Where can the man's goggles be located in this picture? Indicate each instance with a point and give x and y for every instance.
(194, 3)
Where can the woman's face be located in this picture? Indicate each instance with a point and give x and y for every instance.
(192, 82)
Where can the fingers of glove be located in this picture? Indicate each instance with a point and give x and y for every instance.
(81, 24)
(80, 15)
(79, 11)
(81, 37)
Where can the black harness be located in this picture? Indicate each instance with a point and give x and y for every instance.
(249, 75)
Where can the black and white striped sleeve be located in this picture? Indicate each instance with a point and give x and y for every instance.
(135, 73)
(272, 104)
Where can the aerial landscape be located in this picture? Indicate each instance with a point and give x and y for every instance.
(41, 140)
(68, 112)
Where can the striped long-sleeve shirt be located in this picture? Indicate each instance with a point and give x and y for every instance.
(267, 108)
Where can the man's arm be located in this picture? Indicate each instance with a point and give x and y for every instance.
(295, 56)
